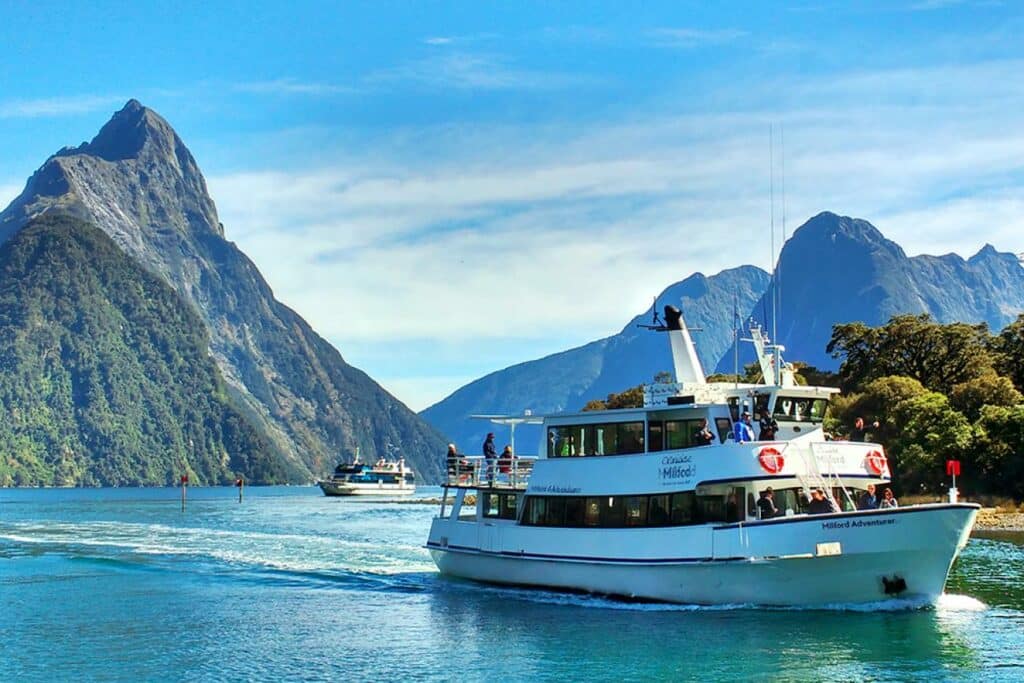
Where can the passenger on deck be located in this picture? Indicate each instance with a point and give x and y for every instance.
(768, 426)
(819, 504)
(766, 505)
(868, 501)
(703, 436)
(860, 430)
(742, 431)
(888, 500)
(505, 462)
(490, 453)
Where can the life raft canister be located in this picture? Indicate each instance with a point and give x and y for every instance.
(771, 460)
(876, 462)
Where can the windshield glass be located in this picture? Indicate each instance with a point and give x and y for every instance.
(796, 409)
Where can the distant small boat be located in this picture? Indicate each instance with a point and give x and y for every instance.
(385, 477)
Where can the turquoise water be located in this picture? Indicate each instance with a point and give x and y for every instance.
(121, 585)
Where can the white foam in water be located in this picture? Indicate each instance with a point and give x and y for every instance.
(959, 603)
(946, 602)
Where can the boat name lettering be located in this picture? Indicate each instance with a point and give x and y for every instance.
(677, 468)
(553, 488)
(856, 523)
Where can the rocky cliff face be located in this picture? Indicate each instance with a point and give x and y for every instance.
(138, 182)
(567, 380)
(838, 269)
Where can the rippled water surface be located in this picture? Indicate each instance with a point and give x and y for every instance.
(121, 585)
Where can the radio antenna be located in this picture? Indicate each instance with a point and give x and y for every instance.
(778, 268)
(771, 202)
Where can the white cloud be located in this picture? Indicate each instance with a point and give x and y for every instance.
(689, 38)
(554, 236)
(291, 86)
(58, 106)
(8, 191)
(461, 70)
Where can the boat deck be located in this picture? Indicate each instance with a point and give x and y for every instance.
(474, 472)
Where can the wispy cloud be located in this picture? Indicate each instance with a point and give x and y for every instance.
(690, 38)
(464, 39)
(462, 70)
(291, 86)
(58, 106)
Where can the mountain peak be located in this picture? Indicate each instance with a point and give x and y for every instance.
(129, 131)
(832, 231)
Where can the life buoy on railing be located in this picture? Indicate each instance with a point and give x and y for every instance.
(771, 460)
(876, 462)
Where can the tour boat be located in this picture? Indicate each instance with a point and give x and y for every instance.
(623, 502)
(385, 477)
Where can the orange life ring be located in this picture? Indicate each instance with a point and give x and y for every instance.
(771, 460)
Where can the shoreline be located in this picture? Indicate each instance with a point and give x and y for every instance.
(994, 519)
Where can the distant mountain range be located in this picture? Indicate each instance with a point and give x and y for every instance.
(833, 269)
(137, 182)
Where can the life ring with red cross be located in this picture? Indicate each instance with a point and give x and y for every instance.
(876, 462)
(771, 460)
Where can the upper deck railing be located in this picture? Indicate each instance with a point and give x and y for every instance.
(475, 471)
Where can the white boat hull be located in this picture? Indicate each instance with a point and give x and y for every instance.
(915, 545)
(348, 489)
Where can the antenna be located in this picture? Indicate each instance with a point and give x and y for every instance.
(771, 202)
(782, 245)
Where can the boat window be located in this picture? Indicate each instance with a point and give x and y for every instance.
(613, 513)
(676, 509)
(724, 428)
(655, 437)
(492, 505)
(796, 409)
(508, 506)
(711, 508)
(592, 516)
(734, 408)
(614, 438)
(682, 508)
(735, 502)
(761, 404)
(501, 505)
(636, 510)
(575, 509)
(657, 514)
(555, 514)
(630, 437)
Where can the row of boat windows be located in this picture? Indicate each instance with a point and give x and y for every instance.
(676, 509)
(374, 477)
(624, 438)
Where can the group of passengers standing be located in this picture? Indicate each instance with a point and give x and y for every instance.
(820, 504)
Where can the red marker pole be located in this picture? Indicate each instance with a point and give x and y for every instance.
(184, 483)
(240, 484)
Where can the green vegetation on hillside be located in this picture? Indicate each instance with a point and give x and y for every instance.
(939, 392)
(105, 374)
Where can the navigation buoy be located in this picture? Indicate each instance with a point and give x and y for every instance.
(771, 460)
(876, 462)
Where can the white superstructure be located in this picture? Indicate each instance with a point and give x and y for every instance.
(625, 502)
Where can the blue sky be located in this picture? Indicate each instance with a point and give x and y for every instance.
(445, 189)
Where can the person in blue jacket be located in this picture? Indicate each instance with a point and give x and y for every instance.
(743, 431)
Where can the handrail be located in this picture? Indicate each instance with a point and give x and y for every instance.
(474, 471)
